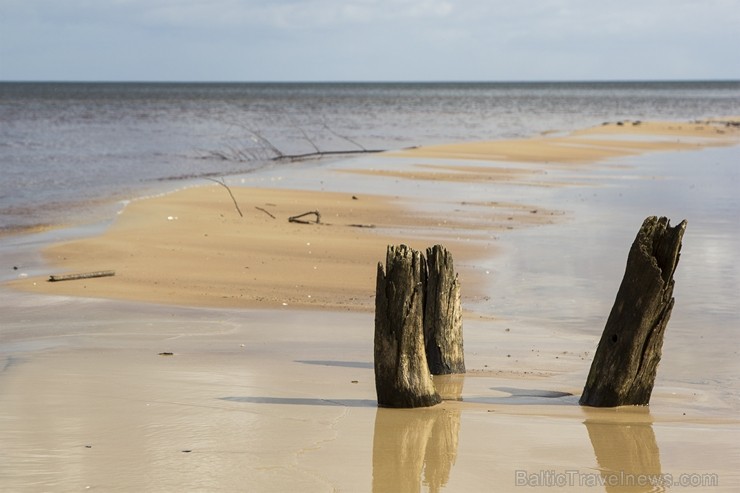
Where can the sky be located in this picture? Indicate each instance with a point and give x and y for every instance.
(369, 40)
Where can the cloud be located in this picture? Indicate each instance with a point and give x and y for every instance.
(280, 14)
(393, 39)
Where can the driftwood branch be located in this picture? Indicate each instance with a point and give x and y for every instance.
(257, 137)
(265, 211)
(344, 137)
(320, 154)
(309, 139)
(223, 184)
(298, 218)
(85, 275)
(266, 150)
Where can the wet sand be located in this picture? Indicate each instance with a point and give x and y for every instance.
(587, 146)
(284, 401)
(193, 248)
(260, 395)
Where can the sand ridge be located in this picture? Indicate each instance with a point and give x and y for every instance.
(191, 247)
(586, 146)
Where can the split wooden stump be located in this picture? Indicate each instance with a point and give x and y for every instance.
(418, 326)
(443, 315)
(402, 377)
(626, 360)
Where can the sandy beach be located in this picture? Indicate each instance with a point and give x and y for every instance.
(194, 248)
(234, 353)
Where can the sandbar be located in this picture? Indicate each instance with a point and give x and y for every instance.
(193, 247)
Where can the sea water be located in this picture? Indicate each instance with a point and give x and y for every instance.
(68, 149)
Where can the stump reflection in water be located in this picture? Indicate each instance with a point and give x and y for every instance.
(412, 447)
(627, 455)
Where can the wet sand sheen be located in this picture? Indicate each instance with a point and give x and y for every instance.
(256, 398)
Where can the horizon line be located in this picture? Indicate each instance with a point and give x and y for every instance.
(389, 81)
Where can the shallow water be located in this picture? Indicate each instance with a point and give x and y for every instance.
(587, 254)
(66, 149)
(566, 276)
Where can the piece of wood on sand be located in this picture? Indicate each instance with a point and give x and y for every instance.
(443, 314)
(626, 360)
(299, 218)
(402, 377)
(84, 275)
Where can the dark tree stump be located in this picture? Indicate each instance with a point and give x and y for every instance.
(626, 360)
(443, 315)
(402, 377)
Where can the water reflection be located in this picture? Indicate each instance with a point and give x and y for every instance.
(449, 387)
(412, 447)
(415, 447)
(627, 454)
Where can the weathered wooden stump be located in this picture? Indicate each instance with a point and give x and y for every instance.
(443, 314)
(626, 360)
(402, 377)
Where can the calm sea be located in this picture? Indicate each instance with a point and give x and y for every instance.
(65, 148)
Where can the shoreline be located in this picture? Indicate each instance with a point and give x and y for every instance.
(281, 397)
(189, 247)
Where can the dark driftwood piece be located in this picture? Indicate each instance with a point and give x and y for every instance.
(402, 377)
(85, 275)
(298, 218)
(265, 211)
(443, 315)
(626, 360)
(266, 150)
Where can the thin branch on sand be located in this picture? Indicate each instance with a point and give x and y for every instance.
(223, 184)
(265, 211)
